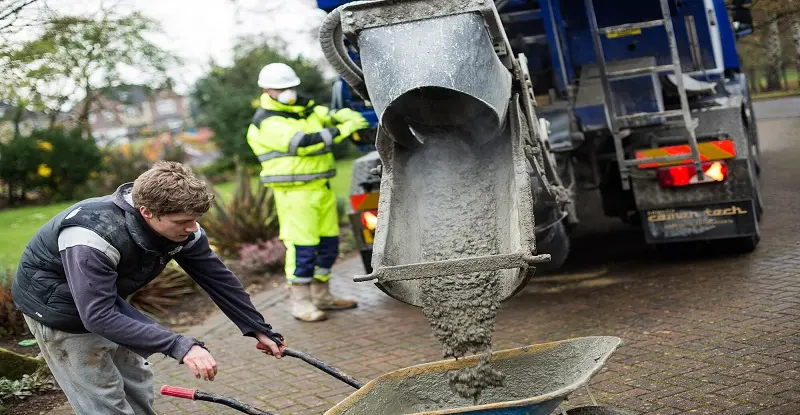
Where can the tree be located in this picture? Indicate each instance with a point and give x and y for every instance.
(794, 24)
(775, 56)
(12, 14)
(224, 98)
(79, 55)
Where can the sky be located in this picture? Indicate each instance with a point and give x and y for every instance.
(200, 30)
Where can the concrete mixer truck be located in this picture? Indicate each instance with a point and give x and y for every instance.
(641, 101)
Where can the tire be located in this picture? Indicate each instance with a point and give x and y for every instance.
(366, 259)
(759, 203)
(752, 131)
(555, 241)
(597, 410)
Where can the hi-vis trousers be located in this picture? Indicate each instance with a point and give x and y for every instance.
(309, 227)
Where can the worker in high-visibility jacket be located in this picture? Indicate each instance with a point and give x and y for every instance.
(293, 138)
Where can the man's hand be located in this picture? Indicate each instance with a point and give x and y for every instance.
(347, 128)
(270, 347)
(200, 363)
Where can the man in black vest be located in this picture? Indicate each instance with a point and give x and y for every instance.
(79, 268)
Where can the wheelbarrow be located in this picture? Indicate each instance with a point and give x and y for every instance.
(538, 379)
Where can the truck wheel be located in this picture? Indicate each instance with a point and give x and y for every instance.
(555, 242)
(751, 129)
(597, 410)
(759, 203)
(366, 259)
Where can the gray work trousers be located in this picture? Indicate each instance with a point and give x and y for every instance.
(97, 375)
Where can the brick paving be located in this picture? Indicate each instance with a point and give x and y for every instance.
(708, 335)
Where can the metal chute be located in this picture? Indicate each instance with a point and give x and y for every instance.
(462, 159)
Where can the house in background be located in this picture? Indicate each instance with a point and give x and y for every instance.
(127, 113)
(28, 120)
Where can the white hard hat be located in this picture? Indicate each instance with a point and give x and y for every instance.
(277, 76)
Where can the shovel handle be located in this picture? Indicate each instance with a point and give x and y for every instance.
(196, 395)
(178, 392)
(319, 364)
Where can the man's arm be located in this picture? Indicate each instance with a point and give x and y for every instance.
(90, 263)
(224, 288)
(277, 134)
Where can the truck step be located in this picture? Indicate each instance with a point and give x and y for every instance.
(661, 159)
(631, 26)
(640, 71)
(650, 115)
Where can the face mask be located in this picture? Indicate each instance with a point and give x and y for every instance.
(288, 97)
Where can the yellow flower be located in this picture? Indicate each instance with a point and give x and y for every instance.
(44, 170)
(44, 145)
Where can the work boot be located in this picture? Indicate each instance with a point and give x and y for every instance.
(324, 300)
(302, 307)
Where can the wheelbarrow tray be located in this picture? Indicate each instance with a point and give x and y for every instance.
(538, 378)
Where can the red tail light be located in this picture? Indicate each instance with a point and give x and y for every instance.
(370, 220)
(685, 175)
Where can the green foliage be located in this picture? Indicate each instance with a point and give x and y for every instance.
(19, 161)
(11, 320)
(248, 217)
(168, 289)
(220, 171)
(55, 161)
(21, 389)
(71, 161)
(15, 366)
(225, 97)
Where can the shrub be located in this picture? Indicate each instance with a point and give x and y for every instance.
(262, 257)
(55, 161)
(166, 290)
(11, 320)
(19, 162)
(219, 171)
(249, 217)
(71, 161)
(118, 167)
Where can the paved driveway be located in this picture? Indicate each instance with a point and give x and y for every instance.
(704, 335)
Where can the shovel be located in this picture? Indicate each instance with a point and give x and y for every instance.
(196, 395)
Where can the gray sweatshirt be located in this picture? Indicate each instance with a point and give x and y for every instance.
(91, 275)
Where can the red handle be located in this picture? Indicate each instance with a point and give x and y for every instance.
(178, 392)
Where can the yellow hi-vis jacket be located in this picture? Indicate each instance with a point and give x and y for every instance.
(294, 143)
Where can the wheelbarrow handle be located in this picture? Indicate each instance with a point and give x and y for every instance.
(196, 395)
(319, 364)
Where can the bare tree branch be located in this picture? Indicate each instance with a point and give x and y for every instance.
(13, 13)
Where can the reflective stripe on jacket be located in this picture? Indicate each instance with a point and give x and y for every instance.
(294, 143)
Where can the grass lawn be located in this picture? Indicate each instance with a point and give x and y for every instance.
(17, 226)
(776, 94)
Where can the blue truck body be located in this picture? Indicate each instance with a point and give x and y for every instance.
(559, 46)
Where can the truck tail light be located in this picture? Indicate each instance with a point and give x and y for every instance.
(685, 175)
(369, 219)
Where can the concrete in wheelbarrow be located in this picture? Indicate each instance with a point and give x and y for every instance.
(711, 335)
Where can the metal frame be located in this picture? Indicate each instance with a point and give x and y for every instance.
(361, 15)
(606, 77)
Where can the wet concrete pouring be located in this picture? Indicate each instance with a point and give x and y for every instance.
(461, 309)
